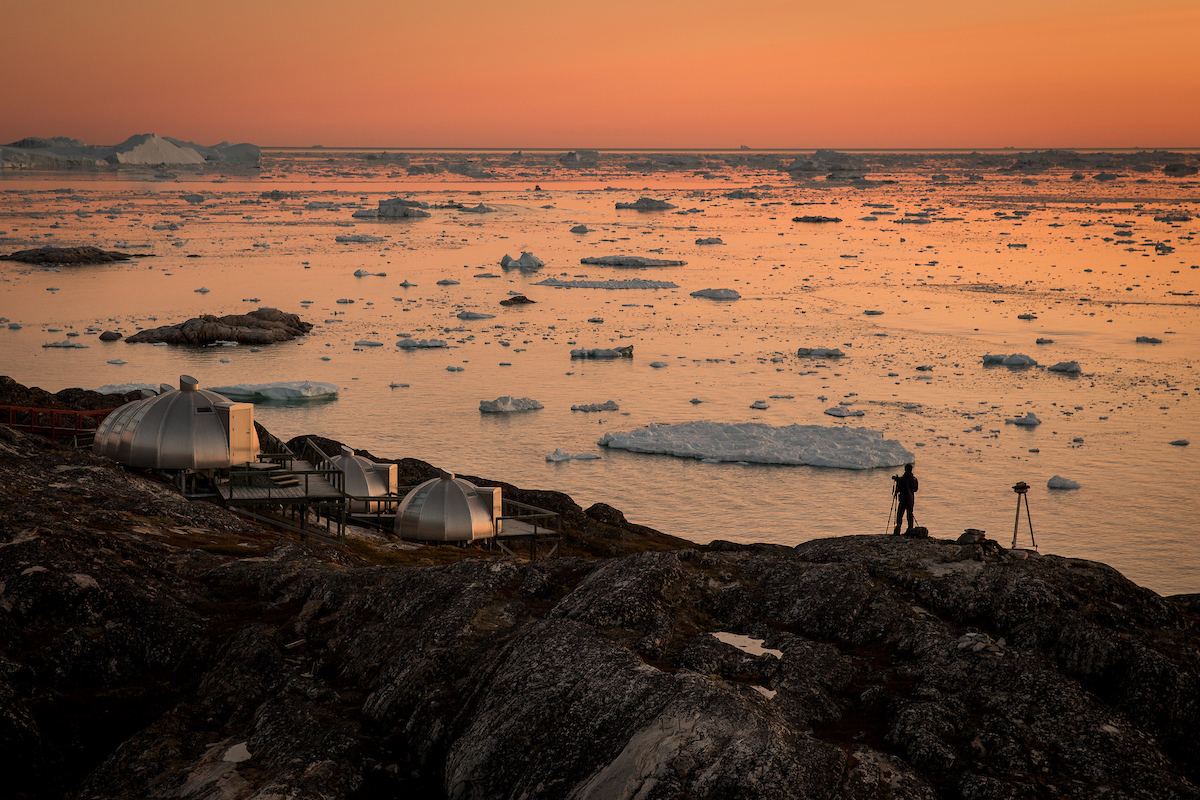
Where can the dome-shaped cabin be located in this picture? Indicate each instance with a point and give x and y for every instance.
(364, 478)
(449, 509)
(180, 429)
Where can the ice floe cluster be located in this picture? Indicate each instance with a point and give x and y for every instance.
(634, 283)
(813, 445)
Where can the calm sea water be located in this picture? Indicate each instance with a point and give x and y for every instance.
(1079, 256)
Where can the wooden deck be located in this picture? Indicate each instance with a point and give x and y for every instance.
(254, 486)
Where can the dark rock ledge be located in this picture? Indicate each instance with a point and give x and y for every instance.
(156, 647)
(264, 326)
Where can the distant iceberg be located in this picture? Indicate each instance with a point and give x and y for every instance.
(280, 390)
(508, 405)
(812, 445)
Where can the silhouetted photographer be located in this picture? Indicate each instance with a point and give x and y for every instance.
(904, 489)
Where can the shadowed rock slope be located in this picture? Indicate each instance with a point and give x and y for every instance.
(156, 647)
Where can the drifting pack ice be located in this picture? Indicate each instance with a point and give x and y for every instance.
(280, 390)
(811, 445)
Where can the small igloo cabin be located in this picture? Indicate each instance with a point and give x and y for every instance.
(188, 428)
(449, 509)
(364, 478)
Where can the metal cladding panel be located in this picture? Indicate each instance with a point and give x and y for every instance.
(362, 480)
(445, 510)
(108, 432)
(175, 430)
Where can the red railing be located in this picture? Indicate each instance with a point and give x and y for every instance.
(52, 422)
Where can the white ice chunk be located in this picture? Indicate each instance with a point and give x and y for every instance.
(367, 343)
(508, 405)
(717, 294)
(1019, 360)
(816, 445)
(842, 411)
(417, 344)
(358, 238)
(1030, 419)
(633, 283)
(1059, 482)
(609, 405)
(820, 352)
(526, 261)
(279, 390)
(1065, 366)
(559, 455)
(474, 315)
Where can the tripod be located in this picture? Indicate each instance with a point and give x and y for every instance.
(1021, 488)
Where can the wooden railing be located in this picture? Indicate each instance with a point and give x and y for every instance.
(53, 423)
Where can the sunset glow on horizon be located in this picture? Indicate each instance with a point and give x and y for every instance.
(536, 74)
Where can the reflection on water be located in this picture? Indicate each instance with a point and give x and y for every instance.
(1092, 269)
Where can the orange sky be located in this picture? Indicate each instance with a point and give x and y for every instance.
(612, 74)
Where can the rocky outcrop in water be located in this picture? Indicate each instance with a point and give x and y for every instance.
(156, 647)
(69, 256)
(264, 326)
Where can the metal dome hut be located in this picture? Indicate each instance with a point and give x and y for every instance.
(449, 509)
(364, 478)
(187, 429)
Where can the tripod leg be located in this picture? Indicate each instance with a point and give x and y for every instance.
(1017, 522)
(889, 516)
(1029, 519)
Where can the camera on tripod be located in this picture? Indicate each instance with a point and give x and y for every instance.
(1021, 487)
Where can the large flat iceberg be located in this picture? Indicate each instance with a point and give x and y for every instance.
(812, 445)
(280, 390)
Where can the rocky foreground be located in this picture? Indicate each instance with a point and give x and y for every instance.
(155, 647)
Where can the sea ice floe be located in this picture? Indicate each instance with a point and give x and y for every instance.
(609, 405)
(597, 320)
(842, 411)
(455, 369)
(646, 204)
(126, 388)
(1148, 340)
(631, 261)
(66, 344)
(526, 261)
(418, 344)
(202, 290)
(358, 238)
(1041, 340)
(633, 283)
(1181, 442)
(1029, 420)
(1014, 360)
(873, 313)
(508, 405)
(839, 447)
(710, 240)
(717, 294)
(279, 390)
(820, 352)
(603, 352)
(1059, 482)
(474, 315)
(447, 282)
(1065, 366)
(580, 229)
(658, 364)
(367, 343)
(118, 361)
(562, 455)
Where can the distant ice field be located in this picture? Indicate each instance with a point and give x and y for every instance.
(1092, 272)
